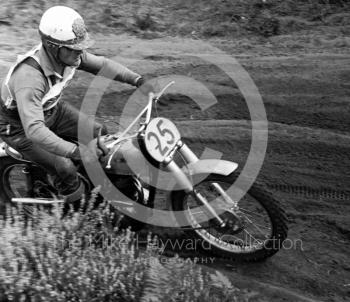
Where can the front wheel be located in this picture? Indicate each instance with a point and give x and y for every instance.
(254, 230)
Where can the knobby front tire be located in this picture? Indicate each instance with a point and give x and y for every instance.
(261, 234)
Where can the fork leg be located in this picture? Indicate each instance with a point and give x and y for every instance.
(187, 153)
(211, 210)
(187, 186)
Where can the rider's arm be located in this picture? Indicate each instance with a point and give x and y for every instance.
(29, 88)
(108, 68)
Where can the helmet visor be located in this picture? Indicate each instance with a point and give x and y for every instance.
(81, 45)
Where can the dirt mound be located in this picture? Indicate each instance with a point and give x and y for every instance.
(201, 18)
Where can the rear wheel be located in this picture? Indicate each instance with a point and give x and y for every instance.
(253, 231)
(20, 179)
(14, 181)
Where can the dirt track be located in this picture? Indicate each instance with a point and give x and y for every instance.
(306, 97)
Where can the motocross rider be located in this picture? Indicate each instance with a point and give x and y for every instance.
(33, 119)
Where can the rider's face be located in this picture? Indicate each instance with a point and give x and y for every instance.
(70, 56)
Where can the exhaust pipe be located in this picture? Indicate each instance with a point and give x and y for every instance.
(37, 201)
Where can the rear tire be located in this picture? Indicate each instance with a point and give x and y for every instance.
(8, 164)
(255, 208)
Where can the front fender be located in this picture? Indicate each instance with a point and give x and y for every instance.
(202, 169)
(210, 166)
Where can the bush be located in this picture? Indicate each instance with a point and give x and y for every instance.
(264, 23)
(82, 257)
(293, 24)
(145, 21)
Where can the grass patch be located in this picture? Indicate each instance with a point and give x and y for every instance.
(83, 257)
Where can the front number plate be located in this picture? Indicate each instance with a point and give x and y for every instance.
(161, 137)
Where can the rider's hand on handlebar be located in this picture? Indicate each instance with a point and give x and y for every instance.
(89, 155)
(75, 154)
(144, 86)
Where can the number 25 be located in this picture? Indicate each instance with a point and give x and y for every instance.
(162, 132)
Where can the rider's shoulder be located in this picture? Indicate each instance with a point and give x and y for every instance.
(28, 68)
(27, 76)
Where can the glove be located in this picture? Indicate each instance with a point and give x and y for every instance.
(145, 87)
(78, 153)
(75, 154)
(140, 81)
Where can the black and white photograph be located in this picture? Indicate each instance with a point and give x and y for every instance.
(157, 150)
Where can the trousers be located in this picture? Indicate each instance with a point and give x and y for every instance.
(63, 121)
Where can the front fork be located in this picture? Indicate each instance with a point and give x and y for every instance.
(185, 183)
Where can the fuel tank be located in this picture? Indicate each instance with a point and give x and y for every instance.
(127, 160)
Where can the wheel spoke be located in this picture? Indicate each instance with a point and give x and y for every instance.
(251, 235)
(253, 212)
(257, 226)
(247, 227)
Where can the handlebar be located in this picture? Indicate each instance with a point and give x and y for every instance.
(155, 97)
(148, 110)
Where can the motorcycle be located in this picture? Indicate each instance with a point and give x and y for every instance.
(154, 156)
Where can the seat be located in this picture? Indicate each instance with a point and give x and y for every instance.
(5, 149)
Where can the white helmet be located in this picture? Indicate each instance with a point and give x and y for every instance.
(63, 26)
